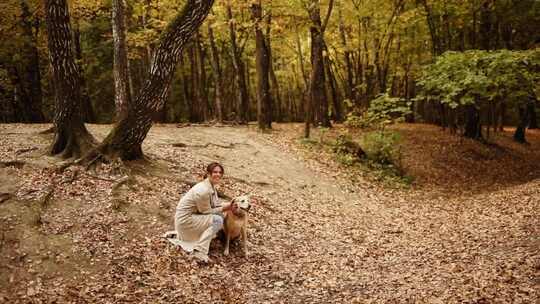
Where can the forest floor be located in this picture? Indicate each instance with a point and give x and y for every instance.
(466, 230)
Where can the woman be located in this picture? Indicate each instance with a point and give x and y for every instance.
(199, 216)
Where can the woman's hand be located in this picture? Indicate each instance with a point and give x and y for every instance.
(232, 206)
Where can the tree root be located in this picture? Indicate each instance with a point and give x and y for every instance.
(5, 197)
(118, 183)
(62, 166)
(229, 146)
(12, 163)
(21, 151)
(48, 131)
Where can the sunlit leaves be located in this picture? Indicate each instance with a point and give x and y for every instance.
(472, 77)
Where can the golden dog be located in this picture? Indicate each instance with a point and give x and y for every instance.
(236, 223)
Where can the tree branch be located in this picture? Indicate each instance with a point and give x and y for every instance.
(327, 18)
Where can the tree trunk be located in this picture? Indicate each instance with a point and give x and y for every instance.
(88, 114)
(524, 115)
(195, 100)
(336, 98)
(7, 114)
(19, 99)
(349, 84)
(243, 100)
(277, 107)
(201, 81)
(122, 97)
(31, 83)
(319, 100)
(264, 108)
(485, 25)
(434, 33)
(472, 128)
(127, 136)
(71, 136)
(531, 108)
(217, 74)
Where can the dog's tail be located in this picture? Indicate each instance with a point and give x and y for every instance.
(170, 234)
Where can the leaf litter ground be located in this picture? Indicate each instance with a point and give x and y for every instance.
(466, 231)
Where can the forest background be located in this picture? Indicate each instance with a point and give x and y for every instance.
(361, 49)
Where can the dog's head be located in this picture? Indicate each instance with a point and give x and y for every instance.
(243, 202)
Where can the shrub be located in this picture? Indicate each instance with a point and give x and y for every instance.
(382, 147)
(382, 111)
(348, 151)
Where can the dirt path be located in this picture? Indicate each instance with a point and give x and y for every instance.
(314, 237)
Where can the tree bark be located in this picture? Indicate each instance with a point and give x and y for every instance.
(434, 33)
(127, 136)
(276, 104)
(349, 84)
(319, 100)
(71, 136)
(524, 120)
(472, 126)
(336, 98)
(264, 106)
(122, 97)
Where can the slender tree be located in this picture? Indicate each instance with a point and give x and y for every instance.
(217, 74)
(349, 84)
(122, 90)
(31, 77)
(88, 114)
(318, 106)
(264, 99)
(243, 97)
(276, 103)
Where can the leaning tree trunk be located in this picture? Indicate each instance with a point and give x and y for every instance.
(264, 108)
(122, 91)
(71, 136)
(125, 139)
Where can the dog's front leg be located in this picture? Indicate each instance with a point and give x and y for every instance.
(244, 240)
(227, 240)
